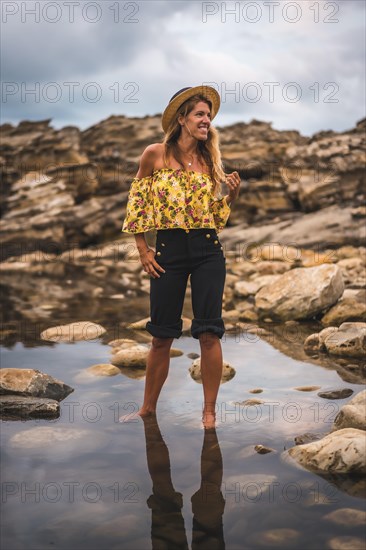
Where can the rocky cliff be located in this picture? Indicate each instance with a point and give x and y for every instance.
(68, 188)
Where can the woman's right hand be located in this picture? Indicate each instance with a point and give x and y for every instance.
(149, 264)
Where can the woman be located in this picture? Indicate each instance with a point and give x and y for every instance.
(175, 192)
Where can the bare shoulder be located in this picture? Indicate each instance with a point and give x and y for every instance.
(149, 159)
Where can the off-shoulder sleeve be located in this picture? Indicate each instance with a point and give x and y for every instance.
(139, 210)
(221, 212)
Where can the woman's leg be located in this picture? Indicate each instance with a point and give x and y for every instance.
(157, 368)
(211, 372)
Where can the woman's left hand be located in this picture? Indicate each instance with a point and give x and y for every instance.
(233, 183)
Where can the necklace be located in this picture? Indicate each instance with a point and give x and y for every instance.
(191, 162)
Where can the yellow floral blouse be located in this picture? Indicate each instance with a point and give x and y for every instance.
(174, 199)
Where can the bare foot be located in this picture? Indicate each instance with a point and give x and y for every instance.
(135, 415)
(209, 420)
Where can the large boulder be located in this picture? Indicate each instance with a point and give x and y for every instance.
(32, 383)
(300, 293)
(352, 414)
(340, 452)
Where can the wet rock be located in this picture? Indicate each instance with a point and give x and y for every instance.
(122, 342)
(349, 340)
(349, 517)
(193, 355)
(131, 357)
(307, 388)
(103, 369)
(228, 372)
(346, 543)
(306, 438)
(336, 394)
(263, 450)
(340, 452)
(352, 414)
(256, 390)
(301, 293)
(17, 407)
(73, 332)
(34, 383)
(250, 402)
(311, 343)
(324, 334)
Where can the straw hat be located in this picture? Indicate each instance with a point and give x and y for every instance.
(185, 93)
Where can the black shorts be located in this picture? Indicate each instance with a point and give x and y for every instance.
(194, 252)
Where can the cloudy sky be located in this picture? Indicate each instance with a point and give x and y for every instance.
(299, 65)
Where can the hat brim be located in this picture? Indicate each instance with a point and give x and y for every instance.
(207, 91)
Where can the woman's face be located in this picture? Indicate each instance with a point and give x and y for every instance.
(198, 120)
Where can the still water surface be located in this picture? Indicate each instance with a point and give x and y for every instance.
(168, 484)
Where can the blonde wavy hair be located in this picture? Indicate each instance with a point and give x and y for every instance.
(208, 150)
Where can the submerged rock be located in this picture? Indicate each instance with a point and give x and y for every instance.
(103, 369)
(336, 394)
(228, 372)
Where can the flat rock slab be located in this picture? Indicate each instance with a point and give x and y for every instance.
(17, 407)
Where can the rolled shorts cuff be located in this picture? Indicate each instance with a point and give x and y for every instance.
(208, 325)
(165, 331)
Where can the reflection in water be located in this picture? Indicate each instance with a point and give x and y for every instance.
(167, 523)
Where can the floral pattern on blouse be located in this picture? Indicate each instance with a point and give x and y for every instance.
(174, 199)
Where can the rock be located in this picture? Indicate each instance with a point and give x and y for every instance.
(306, 438)
(311, 343)
(175, 352)
(342, 393)
(119, 342)
(256, 390)
(340, 452)
(349, 340)
(250, 402)
(17, 407)
(130, 357)
(352, 414)
(300, 293)
(263, 450)
(307, 388)
(349, 517)
(103, 369)
(228, 372)
(346, 543)
(193, 355)
(74, 332)
(347, 309)
(32, 383)
(323, 335)
(245, 288)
